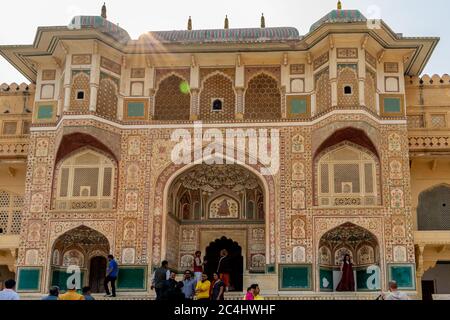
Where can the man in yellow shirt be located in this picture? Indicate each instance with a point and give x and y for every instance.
(257, 294)
(203, 289)
(71, 294)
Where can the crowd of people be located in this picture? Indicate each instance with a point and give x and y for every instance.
(195, 285)
(168, 288)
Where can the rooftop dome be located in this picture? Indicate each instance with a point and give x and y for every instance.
(224, 35)
(101, 24)
(340, 16)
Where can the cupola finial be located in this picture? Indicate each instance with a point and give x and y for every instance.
(190, 23)
(339, 5)
(104, 16)
(263, 21)
(227, 22)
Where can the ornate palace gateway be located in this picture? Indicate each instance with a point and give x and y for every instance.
(86, 156)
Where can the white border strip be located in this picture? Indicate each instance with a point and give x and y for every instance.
(218, 125)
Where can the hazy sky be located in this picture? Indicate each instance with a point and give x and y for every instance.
(19, 21)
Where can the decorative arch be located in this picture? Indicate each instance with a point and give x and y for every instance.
(80, 81)
(347, 174)
(374, 226)
(221, 198)
(80, 168)
(103, 227)
(340, 252)
(170, 102)
(77, 245)
(348, 77)
(216, 73)
(168, 75)
(217, 85)
(433, 210)
(262, 97)
(74, 257)
(324, 257)
(355, 135)
(262, 72)
(350, 236)
(168, 176)
(72, 142)
(97, 253)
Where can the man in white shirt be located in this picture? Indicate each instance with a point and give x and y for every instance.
(394, 294)
(9, 293)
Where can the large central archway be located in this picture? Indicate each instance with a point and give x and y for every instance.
(203, 203)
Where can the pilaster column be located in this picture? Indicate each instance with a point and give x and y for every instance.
(59, 87)
(124, 80)
(362, 92)
(310, 85)
(239, 114)
(120, 108)
(333, 77)
(195, 89)
(283, 103)
(67, 80)
(195, 104)
(239, 83)
(151, 102)
(334, 92)
(362, 76)
(95, 82)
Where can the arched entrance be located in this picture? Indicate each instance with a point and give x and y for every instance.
(83, 248)
(236, 261)
(363, 248)
(206, 202)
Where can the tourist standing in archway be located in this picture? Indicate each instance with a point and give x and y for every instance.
(224, 268)
(347, 283)
(198, 266)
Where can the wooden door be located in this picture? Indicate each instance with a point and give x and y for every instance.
(97, 274)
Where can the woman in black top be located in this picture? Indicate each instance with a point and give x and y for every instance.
(218, 288)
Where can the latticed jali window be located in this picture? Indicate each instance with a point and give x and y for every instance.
(263, 99)
(86, 182)
(10, 213)
(171, 102)
(347, 177)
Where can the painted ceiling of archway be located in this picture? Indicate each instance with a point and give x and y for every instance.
(348, 233)
(210, 178)
(82, 236)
